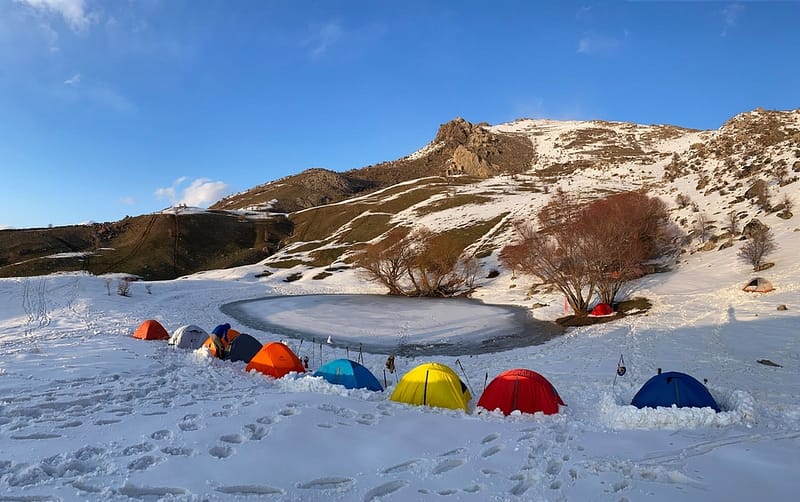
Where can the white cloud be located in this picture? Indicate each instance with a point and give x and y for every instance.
(127, 200)
(730, 17)
(323, 38)
(202, 192)
(199, 193)
(73, 80)
(74, 12)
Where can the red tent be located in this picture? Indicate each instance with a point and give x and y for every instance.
(602, 309)
(276, 360)
(151, 330)
(523, 390)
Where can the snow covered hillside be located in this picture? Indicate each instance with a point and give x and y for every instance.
(89, 413)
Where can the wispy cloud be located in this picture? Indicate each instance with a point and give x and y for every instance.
(323, 37)
(74, 12)
(127, 200)
(73, 80)
(597, 44)
(199, 193)
(730, 17)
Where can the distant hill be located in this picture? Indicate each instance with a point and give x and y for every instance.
(471, 180)
(156, 246)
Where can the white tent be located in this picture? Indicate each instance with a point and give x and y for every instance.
(188, 337)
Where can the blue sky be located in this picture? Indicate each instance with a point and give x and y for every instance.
(114, 108)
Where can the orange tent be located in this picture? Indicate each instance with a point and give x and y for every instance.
(276, 360)
(151, 330)
(232, 333)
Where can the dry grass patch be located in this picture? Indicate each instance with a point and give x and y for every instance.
(366, 227)
(451, 202)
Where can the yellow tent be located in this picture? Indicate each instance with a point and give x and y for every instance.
(432, 384)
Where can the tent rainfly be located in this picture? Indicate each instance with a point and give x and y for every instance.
(523, 390)
(348, 373)
(276, 360)
(432, 384)
(188, 337)
(674, 389)
(758, 285)
(151, 330)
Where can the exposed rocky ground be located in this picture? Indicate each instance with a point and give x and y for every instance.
(748, 167)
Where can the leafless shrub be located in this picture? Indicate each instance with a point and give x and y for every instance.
(732, 223)
(418, 263)
(758, 246)
(702, 227)
(124, 287)
(682, 200)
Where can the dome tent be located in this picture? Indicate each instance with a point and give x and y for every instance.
(348, 373)
(758, 285)
(523, 390)
(432, 384)
(674, 389)
(276, 360)
(188, 337)
(151, 330)
(243, 348)
(602, 310)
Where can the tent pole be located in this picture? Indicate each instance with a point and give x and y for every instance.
(425, 390)
(458, 361)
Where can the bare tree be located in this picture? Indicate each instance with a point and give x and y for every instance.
(682, 200)
(124, 286)
(702, 227)
(758, 246)
(418, 263)
(386, 261)
(593, 248)
(732, 223)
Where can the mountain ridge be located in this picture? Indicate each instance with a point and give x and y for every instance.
(474, 180)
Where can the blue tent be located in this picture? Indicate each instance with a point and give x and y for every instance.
(680, 389)
(243, 348)
(348, 373)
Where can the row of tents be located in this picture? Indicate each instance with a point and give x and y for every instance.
(432, 384)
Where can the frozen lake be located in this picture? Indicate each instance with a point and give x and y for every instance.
(385, 324)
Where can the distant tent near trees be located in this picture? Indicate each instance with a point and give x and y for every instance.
(758, 285)
(589, 249)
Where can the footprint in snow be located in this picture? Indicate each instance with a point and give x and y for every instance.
(490, 438)
(189, 423)
(177, 451)
(554, 467)
(245, 490)
(265, 420)
(137, 449)
(232, 438)
(255, 432)
(107, 421)
(144, 463)
(447, 465)
(220, 451)
(385, 489)
(71, 423)
(453, 452)
(288, 412)
(331, 483)
(366, 419)
(161, 435)
(488, 452)
(405, 466)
